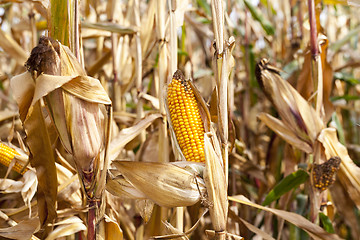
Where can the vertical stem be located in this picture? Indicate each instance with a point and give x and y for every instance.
(76, 37)
(33, 28)
(162, 70)
(163, 137)
(316, 61)
(91, 233)
(313, 31)
(173, 68)
(139, 107)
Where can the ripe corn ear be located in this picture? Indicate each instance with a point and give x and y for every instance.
(185, 118)
(7, 154)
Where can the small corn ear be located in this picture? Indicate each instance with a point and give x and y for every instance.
(7, 154)
(185, 118)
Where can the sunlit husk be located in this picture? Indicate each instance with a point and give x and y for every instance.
(165, 184)
(216, 187)
(294, 110)
(120, 187)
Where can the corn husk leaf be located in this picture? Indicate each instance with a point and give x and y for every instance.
(305, 84)
(23, 230)
(312, 229)
(215, 182)
(165, 184)
(295, 112)
(349, 173)
(120, 187)
(67, 227)
(24, 94)
(112, 229)
(284, 132)
(178, 234)
(128, 134)
(145, 208)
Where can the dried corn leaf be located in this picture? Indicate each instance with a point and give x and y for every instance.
(305, 84)
(128, 134)
(251, 227)
(284, 132)
(165, 184)
(23, 230)
(24, 94)
(120, 187)
(349, 173)
(312, 229)
(11, 47)
(112, 229)
(145, 208)
(67, 227)
(42, 159)
(215, 182)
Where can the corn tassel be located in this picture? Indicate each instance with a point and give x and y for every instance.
(7, 154)
(185, 118)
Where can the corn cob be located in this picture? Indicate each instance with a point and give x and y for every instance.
(185, 118)
(7, 154)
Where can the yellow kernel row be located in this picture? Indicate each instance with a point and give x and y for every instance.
(7, 154)
(186, 119)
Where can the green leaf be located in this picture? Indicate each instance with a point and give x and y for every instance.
(346, 77)
(341, 42)
(345, 97)
(291, 181)
(267, 26)
(339, 128)
(326, 223)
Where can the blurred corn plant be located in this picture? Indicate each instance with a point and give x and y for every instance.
(185, 72)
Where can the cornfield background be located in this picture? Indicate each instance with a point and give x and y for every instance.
(278, 128)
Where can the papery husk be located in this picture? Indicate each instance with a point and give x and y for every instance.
(349, 173)
(294, 110)
(165, 184)
(216, 187)
(120, 187)
(78, 106)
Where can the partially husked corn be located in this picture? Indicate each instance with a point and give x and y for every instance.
(185, 117)
(7, 154)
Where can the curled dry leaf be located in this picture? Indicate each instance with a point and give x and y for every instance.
(23, 230)
(165, 184)
(312, 229)
(128, 134)
(67, 227)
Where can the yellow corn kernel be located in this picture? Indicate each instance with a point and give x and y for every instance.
(185, 118)
(7, 154)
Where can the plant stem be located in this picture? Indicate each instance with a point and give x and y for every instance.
(313, 31)
(91, 233)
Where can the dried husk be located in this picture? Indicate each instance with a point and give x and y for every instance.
(216, 187)
(164, 183)
(296, 113)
